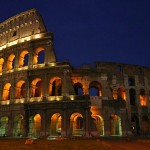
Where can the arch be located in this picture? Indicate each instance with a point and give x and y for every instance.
(35, 125)
(121, 93)
(55, 86)
(20, 89)
(131, 81)
(142, 96)
(18, 125)
(36, 88)
(23, 59)
(76, 124)
(1, 64)
(119, 69)
(10, 62)
(145, 125)
(115, 125)
(78, 88)
(4, 126)
(99, 122)
(132, 95)
(6, 91)
(95, 89)
(39, 56)
(135, 125)
(55, 124)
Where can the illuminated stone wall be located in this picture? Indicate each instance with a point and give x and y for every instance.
(41, 97)
(20, 26)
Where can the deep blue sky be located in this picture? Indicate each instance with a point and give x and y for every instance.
(86, 31)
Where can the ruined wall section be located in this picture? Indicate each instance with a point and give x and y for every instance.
(20, 26)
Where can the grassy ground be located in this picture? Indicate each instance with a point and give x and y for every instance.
(78, 144)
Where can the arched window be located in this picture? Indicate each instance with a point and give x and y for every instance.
(18, 125)
(35, 125)
(4, 126)
(119, 69)
(55, 124)
(20, 89)
(99, 122)
(131, 81)
(36, 88)
(11, 62)
(132, 94)
(76, 124)
(95, 89)
(143, 100)
(1, 64)
(55, 87)
(78, 88)
(115, 125)
(39, 56)
(23, 59)
(6, 91)
(121, 94)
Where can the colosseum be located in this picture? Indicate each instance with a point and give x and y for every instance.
(42, 97)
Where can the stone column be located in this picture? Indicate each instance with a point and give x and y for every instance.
(16, 65)
(31, 54)
(67, 87)
(49, 53)
(43, 124)
(44, 87)
(64, 124)
(87, 123)
(107, 126)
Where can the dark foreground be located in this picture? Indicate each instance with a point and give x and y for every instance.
(75, 144)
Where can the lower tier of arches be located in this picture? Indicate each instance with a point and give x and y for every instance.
(66, 120)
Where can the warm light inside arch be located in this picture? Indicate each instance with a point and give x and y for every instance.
(1, 64)
(22, 58)
(20, 89)
(6, 91)
(36, 55)
(36, 88)
(10, 62)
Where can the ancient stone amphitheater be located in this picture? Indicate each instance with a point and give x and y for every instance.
(41, 97)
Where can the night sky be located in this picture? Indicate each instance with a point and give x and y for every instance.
(87, 31)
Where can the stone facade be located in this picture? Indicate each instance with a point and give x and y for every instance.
(41, 97)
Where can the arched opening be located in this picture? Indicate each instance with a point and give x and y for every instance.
(131, 81)
(1, 64)
(11, 62)
(99, 122)
(36, 88)
(121, 93)
(115, 125)
(39, 56)
(143, 100)
(34, 125)
(145, 125)
(76, 124)
(18, 125)
(114, 94)
(55, 124)
(95, 89)
(119, 69)
(6, 91)
(135, 125)
(55, 86)
(4, 126)
(132, 94)
(78, 88)
(20, 89)
(23, 59)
